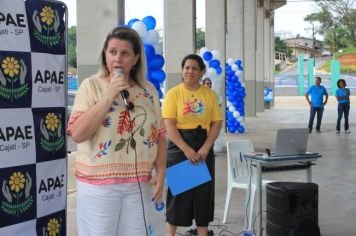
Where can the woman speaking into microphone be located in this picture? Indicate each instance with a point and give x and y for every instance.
(119, 142)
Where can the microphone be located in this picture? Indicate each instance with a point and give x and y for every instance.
(124, 94)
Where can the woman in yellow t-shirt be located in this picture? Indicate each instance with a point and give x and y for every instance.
(193, 122)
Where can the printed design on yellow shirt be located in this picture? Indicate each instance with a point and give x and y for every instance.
(193, 106)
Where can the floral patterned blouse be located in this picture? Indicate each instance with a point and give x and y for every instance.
(124, 141)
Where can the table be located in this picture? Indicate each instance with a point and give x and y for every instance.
(265, 163)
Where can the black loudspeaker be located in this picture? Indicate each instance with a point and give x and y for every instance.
(292, 209)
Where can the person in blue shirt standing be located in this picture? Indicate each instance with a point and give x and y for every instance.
(317, 93)
(343, 97)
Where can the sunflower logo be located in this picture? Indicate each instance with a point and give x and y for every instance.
(46, 24)
(10, 66)
(17, 194)
(47, 15)
(17, 182)
(12, 78)
(51, 129)
(52, 121)
(53, 227)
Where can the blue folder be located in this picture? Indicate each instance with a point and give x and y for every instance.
(185, 175)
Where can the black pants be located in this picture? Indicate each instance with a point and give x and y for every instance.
(196, 203)
(343, 108)
(319, 111)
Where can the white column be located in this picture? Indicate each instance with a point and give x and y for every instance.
(94, 21)
(260, 59)
(179, 37)
(249, 35)
(215, 23)
(271, 72)
(215, 36)
(235, 30)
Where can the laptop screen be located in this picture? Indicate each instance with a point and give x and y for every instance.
(291, 141)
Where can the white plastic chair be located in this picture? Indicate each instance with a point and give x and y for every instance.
(239, 176)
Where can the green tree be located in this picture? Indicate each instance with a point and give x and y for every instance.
(200, 38)
(334, 17)
(337, 38)
(72, 47)
(281, 46)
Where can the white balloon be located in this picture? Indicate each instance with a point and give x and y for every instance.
(140, 28)
(236, 114)
(232, 109)
(206, 64)
(211, 73)
(216, 54)
(230, 61)
(234, 67)
(239, 118)
(158, 48)
(202, 50)
(238, 73)
(243, 84)
(228, 103)
(151, 37)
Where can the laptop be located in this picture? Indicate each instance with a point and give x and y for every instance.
(291, 142)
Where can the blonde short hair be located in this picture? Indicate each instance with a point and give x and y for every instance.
(138, 72)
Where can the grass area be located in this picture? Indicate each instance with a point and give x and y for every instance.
(344, 68)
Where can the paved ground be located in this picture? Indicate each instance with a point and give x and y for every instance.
(334, 173)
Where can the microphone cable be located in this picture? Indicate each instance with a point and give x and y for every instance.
(128, 108)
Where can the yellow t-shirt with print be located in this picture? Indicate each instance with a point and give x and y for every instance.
(191, 108)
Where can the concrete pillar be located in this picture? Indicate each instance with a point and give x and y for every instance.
(271, 73)
(249, 35)
(235, 29)
(94, 22)
(179, 37)
(267, 46)
(260, 58)
(215, 27)
(215, 36)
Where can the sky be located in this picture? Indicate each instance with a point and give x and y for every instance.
(288, 18)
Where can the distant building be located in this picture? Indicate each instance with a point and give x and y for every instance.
(304, 46)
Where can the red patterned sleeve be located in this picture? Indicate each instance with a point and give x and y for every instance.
(72, 119)
(162, 132)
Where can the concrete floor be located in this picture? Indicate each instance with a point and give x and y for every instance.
(334, 172)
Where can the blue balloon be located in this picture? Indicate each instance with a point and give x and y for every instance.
(238, 62)
(241, 129)
(150, 22)
(130, 23)
(158, 75)
(231, 129)
(218, 70)
(150, 52)
(160, 93)
(156, 62)
(207, 56)
(214, 63)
